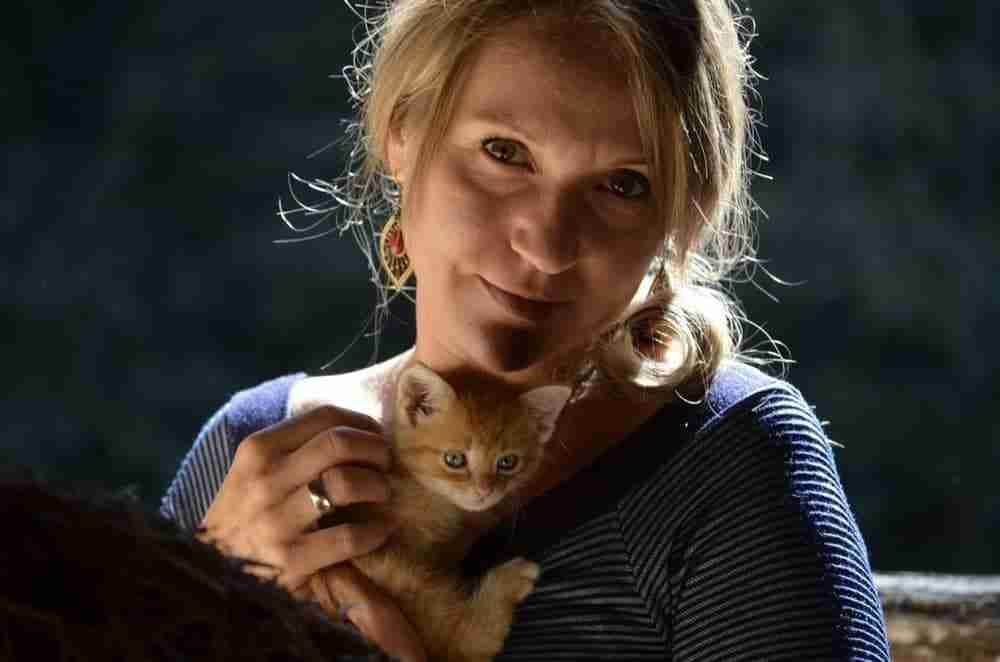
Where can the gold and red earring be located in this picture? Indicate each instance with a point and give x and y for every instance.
(392, 253)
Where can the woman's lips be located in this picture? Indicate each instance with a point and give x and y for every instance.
(526, 309)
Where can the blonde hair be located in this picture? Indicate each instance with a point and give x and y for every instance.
(690, 76)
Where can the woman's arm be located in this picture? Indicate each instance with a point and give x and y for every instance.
(205, 466)
(244, 482)
(767, 561)
(200, 475)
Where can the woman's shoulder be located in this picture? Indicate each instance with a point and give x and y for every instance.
(735, 381)
(260, 406)
(750, 508)
(271, 401)
(752, 445)
(358, 390)
(736, 387)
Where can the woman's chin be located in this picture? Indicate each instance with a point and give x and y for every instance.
(505, 349)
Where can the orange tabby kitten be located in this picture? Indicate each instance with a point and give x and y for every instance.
(451, 454)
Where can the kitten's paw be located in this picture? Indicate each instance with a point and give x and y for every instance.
(490, 612)
(518, 577)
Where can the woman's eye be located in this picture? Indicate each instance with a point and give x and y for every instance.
(502, 150)
(454, 459)
(629, 184)
(507, 463)
(625, 183)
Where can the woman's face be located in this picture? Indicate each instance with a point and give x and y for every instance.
(540, 191)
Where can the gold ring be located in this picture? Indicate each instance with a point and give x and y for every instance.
(319, 496)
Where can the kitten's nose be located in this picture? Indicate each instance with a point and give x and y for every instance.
(483, 490)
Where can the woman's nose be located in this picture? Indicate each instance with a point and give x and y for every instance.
(547, 236)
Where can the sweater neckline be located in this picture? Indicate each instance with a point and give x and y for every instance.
(599, 486)
(591, 491)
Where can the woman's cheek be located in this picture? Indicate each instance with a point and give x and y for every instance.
(476, 207)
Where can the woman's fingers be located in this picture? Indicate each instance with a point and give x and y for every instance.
(344, 485)
(263, 511)
(291, 433)
(328, 448)
(270, 465)
(322, 548)
(344, 588)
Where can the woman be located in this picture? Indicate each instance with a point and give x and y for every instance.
(569, 182)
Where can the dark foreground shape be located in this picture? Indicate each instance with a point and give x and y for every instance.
(95, 577)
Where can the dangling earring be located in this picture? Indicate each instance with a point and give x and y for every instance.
(392, 253)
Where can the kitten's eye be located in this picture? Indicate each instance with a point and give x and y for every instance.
(454, 459)
(507, 463)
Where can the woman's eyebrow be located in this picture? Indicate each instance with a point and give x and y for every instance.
(510, 121)
(506, 119)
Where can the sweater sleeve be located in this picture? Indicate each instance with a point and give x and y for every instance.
(205, 466)
(748, 549)
(201, 473)
(775, 566)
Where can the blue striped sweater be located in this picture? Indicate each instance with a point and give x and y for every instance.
(716, 531)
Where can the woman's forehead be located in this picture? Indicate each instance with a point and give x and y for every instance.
(542, 86)
(562, 38)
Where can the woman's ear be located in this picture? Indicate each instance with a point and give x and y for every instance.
(397, 151)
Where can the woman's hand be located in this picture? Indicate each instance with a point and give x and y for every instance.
(343, 590)
(264, 513)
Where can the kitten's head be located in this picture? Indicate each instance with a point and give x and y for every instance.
(476, 448)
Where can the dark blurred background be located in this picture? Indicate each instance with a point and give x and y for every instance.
(148, 144)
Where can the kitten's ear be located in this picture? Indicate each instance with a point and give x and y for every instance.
(421, 393)
(546, 402)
